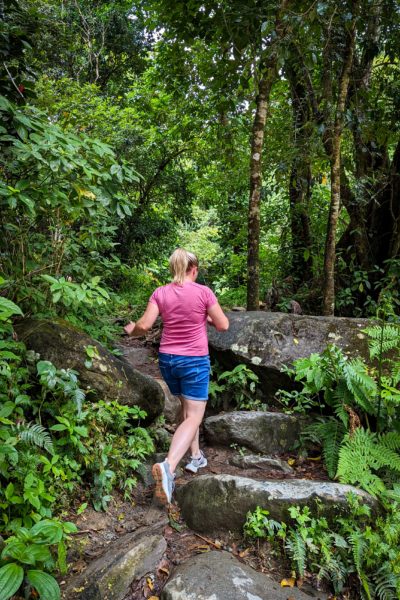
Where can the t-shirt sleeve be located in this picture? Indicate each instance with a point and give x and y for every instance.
(155, 298)
(209, 298)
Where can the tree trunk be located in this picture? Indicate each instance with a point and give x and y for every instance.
(300, 181)
(268, 75)
(257, 140)
(334, 209)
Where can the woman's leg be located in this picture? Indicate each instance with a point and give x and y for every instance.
(195, 445)
(187, 433)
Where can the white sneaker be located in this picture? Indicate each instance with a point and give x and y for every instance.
(196, 463)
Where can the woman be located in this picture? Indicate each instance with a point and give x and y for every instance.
(185, 308)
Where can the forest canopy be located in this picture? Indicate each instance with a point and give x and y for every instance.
(264, 135)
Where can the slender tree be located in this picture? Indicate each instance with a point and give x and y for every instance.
(336, 137)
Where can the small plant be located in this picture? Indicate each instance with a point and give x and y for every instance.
(29, 554)
(259, 525)
(353, 545)
(239, 385)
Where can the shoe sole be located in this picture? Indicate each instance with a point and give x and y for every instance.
(159, 492)
(195, 469)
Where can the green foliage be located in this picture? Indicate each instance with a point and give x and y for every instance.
(42, 546)
(259, 525)
(334, 551)
(357, 395)
(363, 454)
(51, 440)
(62, 196)
(329, 433)
(238, 386)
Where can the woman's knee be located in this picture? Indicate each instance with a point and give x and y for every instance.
(194, 408)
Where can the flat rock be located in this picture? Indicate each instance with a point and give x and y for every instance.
(267, 341)
(213, 503)
(220, 576)
(113, 379)
(249, 461)
(110, 576)
(265, 432)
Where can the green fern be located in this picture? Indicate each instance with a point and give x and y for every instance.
(362, 386)
(386, 583)
(36, 435)
(329, 433)
(383, 339)
(335, 571)
(296, 548)
(357, 543)
(361, 454)
(390, 440)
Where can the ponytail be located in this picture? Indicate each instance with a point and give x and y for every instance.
(180, 262)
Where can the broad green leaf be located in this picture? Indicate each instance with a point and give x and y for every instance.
(44, 584)
(11, 577)
(8, 308)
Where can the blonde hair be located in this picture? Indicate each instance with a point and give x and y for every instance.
(180, 262)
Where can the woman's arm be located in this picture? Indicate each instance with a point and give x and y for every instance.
(145, 322)
(217, 318)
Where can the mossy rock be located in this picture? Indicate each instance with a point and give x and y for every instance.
(267, 342)
(109, 377)
(213, 503)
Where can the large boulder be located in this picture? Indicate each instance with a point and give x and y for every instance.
(113, 379)
(172, 404)
(220, 576)
(265, 432)
(211, 503)
(268, 341)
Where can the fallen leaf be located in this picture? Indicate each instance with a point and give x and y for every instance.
(314, 458)
(244, 553)
(202, 548)
(295, 341)
(153, 598)
(150, 583)
(290, 582)
(218, 544)
(291, 462)
(164, 570)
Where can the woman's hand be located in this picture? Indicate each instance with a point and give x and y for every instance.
(210, 321)
(130, 328)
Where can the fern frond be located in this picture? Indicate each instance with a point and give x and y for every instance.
(386, 583)
(357, 543)
(36, 435)
(383, 341)
(390, 440)
(362, 386)
(362, 453)
(329, 434)
(296, 548)
(335, 571)
(342, 396)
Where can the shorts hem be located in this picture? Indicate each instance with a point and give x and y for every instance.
(186, 397)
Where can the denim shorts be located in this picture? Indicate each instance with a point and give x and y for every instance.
(186, 376)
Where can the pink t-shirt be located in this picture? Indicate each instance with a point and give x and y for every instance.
(183, 309)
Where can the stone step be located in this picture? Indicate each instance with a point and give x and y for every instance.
(265, 432)
(110, 576)
(215, 503)
(220, 576)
